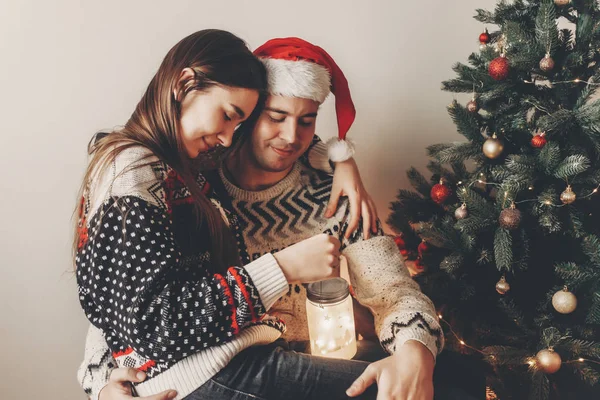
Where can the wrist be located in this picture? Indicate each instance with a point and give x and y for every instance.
(417, 351)
(281, 259)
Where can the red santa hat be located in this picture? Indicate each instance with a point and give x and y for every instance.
(297, 68)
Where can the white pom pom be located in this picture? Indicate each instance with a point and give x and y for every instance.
(340, 150)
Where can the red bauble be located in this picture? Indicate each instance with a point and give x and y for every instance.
(539, 141)
(499, 68)
(440, 193)
(401, 245)
(419, 266)
(485, 38)
(423, 248)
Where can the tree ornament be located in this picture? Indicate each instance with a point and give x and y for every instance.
(440, 192)
(568, 196)
(419, 266)
(485, 37)
(423, 248)
(547, 63)
(548, 360)
(472, 106)
(493, 147)
(539, 140)
(510, 218)
(401, 245)
(564, 301)
(499, 68)
(502, 286)
(562, 3)
(461, 212)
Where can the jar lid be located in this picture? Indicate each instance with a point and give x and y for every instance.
(328, 291)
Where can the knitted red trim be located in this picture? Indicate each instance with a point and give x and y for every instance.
(147, 366)
(227, 291)
(244, 290)
(122, 353)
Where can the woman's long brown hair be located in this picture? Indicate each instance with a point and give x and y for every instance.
(217, 58)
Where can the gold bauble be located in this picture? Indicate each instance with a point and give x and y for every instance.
(493, 147)
(548, 361)
(562, 3)
(502, 286)
(510, 218)
(472, 106)
(568, 196)
(564, 301)
(547, 63)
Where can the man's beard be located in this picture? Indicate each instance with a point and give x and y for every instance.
(265, 155)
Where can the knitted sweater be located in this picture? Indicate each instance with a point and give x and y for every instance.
(145, 281)
(282, 215)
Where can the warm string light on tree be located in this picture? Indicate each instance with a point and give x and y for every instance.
(545, 202)
(577, 80)
(531, 361)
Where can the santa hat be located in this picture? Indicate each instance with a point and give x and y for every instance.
(297, 68)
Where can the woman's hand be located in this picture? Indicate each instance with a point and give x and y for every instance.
(119, 386)
(311, 260)
(347, 182)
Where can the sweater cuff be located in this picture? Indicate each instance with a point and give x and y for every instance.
(268, 278)
(420, 335)
(318, 158)
(99, 384)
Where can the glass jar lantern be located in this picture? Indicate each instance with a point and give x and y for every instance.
(331, 319)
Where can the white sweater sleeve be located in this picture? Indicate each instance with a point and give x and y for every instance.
(382, 283)
(97, 364)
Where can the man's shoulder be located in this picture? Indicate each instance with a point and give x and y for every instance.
(315, 178)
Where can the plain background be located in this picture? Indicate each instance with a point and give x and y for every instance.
(69, 68)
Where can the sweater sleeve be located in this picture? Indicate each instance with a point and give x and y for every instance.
(97, 364)
(317, 156)
(382, 283)
(133, 282)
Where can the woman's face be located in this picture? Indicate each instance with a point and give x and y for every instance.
(210, 117)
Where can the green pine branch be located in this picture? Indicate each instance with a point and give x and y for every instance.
(466, 123)
(546, 30)
(454, 152)
(540, 386)
(419, 182)
(571, 166)
(503, 250)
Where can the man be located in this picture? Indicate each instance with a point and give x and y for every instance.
(277, 202)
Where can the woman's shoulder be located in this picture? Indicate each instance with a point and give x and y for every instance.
(135, 172)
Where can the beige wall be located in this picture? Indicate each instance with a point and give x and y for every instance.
(69, 68)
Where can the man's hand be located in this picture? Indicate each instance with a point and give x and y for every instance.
(119, 386)
(408, 374)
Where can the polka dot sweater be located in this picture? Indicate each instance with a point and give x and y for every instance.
(145, 280)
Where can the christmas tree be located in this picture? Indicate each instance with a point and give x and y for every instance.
(507, 230)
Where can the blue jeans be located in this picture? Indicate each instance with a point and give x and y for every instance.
(276, 371)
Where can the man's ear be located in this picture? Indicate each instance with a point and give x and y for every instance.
(186, 75)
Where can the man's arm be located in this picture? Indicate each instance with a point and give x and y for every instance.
(382, 283)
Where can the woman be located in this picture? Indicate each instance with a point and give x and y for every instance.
(157, 268)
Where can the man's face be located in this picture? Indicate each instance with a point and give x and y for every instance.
(283, 132)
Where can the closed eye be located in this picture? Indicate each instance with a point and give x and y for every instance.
(306, 123)
(277, 120)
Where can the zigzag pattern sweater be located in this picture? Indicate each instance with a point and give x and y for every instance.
(267, 221)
